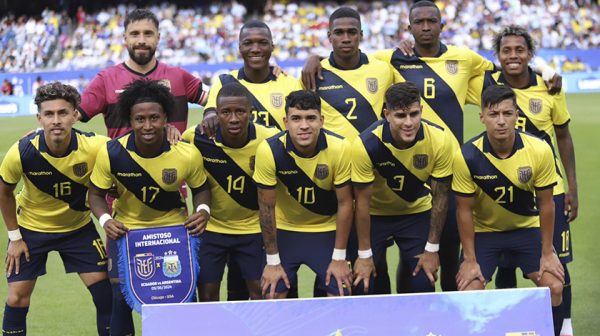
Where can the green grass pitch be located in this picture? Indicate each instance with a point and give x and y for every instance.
(62, 306)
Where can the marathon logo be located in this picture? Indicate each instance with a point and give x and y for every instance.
(40, 173)
(129, 174)
(287, 172)
(410, 66)
(331, 87)
(212, 160)
(485, 177)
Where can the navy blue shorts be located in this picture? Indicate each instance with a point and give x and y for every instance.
(81, 251)
(522, 247)
(562, 231)
(410, 232)
(312, 249)
(246, 249)
(112, 251)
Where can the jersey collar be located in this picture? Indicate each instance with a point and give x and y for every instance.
(131, 144)
(321, 144)
(72, 144)
(532, 79)
(251, 134)
(386, 135)
(487, 147)
(242, 76)
(362, 61)
(139, 73)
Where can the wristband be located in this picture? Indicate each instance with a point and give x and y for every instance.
(104, 218)
(338, 254)
(14, 235)
(273, 259)
(364, 254)
(203, 207)
(433, 248)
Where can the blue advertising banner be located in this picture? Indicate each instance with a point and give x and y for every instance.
(512, 312)
(158, 265)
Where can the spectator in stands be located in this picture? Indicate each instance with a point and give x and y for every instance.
(7, 88)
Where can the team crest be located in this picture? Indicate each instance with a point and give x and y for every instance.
(372, 85)
(452, 67)
(322, 171)
(420, 161)
(166, 83)
(277, 100)
(525, 174)
(252, 162)
(169, 176)
(535, 105)
(80, 169)
(171, 265)
(144, 265)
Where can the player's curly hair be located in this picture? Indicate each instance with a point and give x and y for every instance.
(513, 30)
(303, 100)
(145, 91)
(343, 12)
(140, 14)
(57, 90)
(399, 96)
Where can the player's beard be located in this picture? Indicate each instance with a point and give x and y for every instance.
(141, 59)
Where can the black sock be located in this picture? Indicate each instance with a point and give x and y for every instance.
(102, 296)
(567, 294)
(14, 323)
(557, 318)
(121, 321)
(506, 278)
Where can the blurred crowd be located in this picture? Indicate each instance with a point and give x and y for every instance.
(210, 33)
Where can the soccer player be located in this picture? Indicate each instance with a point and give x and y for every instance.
(305, 200)
(50, 212)
(142, 38)
(353, 86)
(233, 229)
(503, 180)
(147, 172)
(392, 162)
(545, 116)
(268, 91)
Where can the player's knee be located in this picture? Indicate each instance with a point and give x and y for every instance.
(556, 289)
(18, 299)
(208, 293)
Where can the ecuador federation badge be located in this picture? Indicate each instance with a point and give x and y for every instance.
(158, 265)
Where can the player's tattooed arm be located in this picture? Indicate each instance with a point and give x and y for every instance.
(439, 208)
(429, 260)
(266, 205)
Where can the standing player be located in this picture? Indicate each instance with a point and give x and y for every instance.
(233, 229)
(50, 213)
(141, 37)
(147, 172)
(546, 117)
(501, 178)
(353, 86)
(268, 94)
(305, 200)
(268, 91)
(391, 164)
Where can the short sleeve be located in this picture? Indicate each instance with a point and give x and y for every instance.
(462, 182)
(11, 169)
(362, 167)
(264, 169)
(101, 176)
(211, 103)
(195, 91)
(546, 176)
(444, 157)
(475, 90)
(479, 64)
(343, 167)
(560, 113)
(93, 98)
(188, 135)
(197, 176)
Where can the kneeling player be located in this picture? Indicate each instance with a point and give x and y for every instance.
(498, 177)
(305, 200)
(136, 163)
(233, 229)
(50, 213)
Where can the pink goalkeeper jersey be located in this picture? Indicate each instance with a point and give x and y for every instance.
(100, 96)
